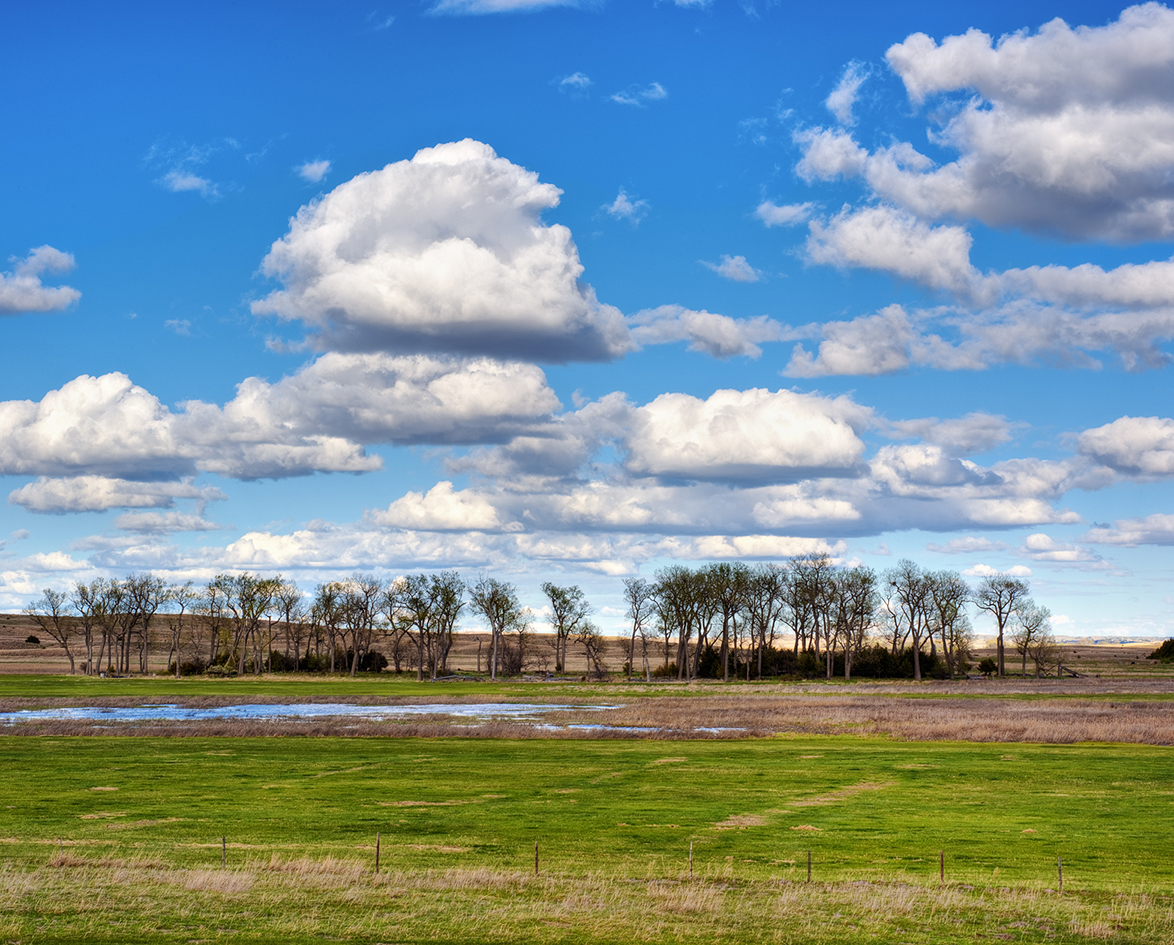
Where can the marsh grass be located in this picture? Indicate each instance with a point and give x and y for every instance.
(720, 714)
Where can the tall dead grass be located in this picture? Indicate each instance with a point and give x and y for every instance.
(310, 898)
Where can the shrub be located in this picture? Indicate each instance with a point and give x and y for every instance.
(188, 668)
(987, 666)
(220, 671)
(33, 639)
(665, 672)
(1165, 652)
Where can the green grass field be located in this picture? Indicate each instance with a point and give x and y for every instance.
(119, 839)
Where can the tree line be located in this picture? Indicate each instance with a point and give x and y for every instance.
(719, 620)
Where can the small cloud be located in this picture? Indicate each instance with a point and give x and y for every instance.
(693, 4)
(843, 96)
(735, 268)
(576, 84)
(985, 570)
(479, 7)
(753, 130)
(163, 523)
(969, 545)
(178, 181)
(377, 22)
(786, 215)
(22, 290)
(882, 549)
(625, 208)
(635, 95)
(314, 171)
(181, 326)
(21, 534)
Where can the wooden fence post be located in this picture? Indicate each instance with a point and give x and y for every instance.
(535, 857)
(941, 866)
(1060, 873)
(376, 852)
(809, 866)
(223, 852)
(690, 859)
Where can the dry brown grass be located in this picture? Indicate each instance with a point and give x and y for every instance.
(992, 711)
(267, 899)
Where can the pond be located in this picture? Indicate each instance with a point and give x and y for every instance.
(290, 713)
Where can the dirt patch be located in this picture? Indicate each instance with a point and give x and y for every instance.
(424, 803)
(842, 794)
(438, 848)
(808, 827)
(102, 815)
(144, 823)
(741, 820)
(103, 789)
(667, 761)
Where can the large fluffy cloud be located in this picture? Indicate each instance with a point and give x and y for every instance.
(442, 252)
(104, 442)
(1072, 130)
(746, 435)
(1141, 446)
(895, 241)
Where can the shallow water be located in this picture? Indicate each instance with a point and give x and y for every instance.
(288, 713)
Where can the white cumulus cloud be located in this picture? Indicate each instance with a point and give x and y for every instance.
(1139, 446)
(746, 435)
(1071, 130)
(718, 335)
(21, 289)
(735, 268)
(443, 252)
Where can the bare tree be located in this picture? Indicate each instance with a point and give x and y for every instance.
(145, 594)
(568, 611)
(855, 598)
(1032, 636)
(594, 646)
(948, 597)
(497, 603)
(51, 614)
(727, 586)
(290, 603)
(766, 602)
(910, 587)
(999, 595)
(360, 597)
(639, 595)
(183, 597)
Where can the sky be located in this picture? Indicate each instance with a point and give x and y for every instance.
(569, 290)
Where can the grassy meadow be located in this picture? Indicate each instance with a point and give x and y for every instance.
(119, 839)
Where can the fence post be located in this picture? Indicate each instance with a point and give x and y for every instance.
(809, 866)
(690, 859)
(223, 852)
(1060, 872)
(941, 866)
(376, 852)
(535, 857)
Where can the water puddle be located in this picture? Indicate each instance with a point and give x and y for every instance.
(302, 712)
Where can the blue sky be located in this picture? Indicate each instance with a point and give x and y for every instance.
(572, 290)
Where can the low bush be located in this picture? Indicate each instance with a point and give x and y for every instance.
(1165, 652)
(33, 639)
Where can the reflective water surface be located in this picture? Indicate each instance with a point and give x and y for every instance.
(288, 713)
